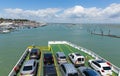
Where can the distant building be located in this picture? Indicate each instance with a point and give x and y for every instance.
(6, 24)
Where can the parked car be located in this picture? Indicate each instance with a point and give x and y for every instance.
(49, 70)
(86, 71)
(61, 58)
(68, 69)
(101, 66)
(34, 53)
(48, 58)
(29, 68)
(77, 59)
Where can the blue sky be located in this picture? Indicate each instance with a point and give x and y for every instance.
(38, 4)
(80, 11)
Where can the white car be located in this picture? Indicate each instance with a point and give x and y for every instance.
(61, 58)
(77, 59)
(101, 66)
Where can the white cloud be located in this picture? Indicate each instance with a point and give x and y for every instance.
(74, 10)
(74, 14)
(93, 12)
(41, 13)
(113, 11)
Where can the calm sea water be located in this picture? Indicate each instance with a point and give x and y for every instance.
(12, 45)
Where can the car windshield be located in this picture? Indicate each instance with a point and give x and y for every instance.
(100, 61)
(62, 57)
(78, 54)
(27, 68)
(74, 74)
(106, 68)
(47, 55)
(34, 51)
(80, 59)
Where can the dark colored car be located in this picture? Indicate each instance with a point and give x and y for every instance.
(34, 53)
(86, 71)
(48, 58)
(49, 70)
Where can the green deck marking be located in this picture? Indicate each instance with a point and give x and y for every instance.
(60, 48)
(68, 48)
(56, 66)
(40, 65)
(56, 49)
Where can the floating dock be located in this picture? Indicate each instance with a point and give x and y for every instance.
(53, 47)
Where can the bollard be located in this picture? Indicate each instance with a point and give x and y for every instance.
(16, 69)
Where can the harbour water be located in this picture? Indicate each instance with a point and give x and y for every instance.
(13, 44)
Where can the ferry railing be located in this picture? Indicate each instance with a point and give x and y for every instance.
(16, 68)
(89, 52)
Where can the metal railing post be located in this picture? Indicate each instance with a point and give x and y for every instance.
(119, 73)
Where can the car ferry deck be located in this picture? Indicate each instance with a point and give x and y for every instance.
(58, 46)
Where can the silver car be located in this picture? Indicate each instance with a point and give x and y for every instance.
(61, 58)
(29, 68)
(86, 71)
(68, 69)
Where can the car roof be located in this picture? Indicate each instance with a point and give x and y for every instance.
(29, 62)
(47, 54)
(102, 63)
(77, 54)
(83, 68)
(88, 70)
(70, 68)
(49, 69)
(61, 54)
(91, 72)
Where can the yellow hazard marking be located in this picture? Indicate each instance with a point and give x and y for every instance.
(30, 47)
(60, 48)
(58, 74)
(40, 62)
(69, 48)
